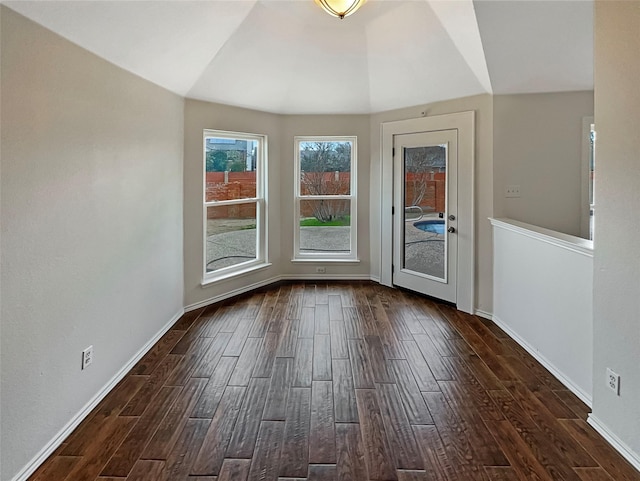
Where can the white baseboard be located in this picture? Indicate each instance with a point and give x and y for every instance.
(484, 314)
(615, 441)
(273, 280)
(585, 397)
(57, 440)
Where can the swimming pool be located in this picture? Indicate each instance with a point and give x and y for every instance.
(433, 226)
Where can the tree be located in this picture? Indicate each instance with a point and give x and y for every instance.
(321, 164)
(216, 161)
(421, 162)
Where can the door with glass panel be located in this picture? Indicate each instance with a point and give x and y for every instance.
(425, 212)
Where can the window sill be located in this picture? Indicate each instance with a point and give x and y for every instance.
(239, 273)
(322, 260)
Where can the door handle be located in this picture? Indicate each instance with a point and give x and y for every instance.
(451, 230)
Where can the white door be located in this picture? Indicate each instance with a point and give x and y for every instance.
(425, 241)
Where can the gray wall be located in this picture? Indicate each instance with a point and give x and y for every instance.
(617, 223)
(91, 228)
(537, 144)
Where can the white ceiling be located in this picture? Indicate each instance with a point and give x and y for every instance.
(288, 56)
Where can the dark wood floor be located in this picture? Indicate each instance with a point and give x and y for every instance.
(348, 381)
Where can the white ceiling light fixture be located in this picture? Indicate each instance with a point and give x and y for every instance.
(340, 8)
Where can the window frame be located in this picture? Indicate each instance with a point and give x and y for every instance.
(352, 197)
(260, 200)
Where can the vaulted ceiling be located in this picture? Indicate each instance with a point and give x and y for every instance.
(288, 56)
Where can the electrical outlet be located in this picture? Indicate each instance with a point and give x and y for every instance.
(87, 357)
(613, 381)
(321, 270)
(512, 191)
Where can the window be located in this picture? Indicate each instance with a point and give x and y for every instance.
(234, 203)
(325, 199)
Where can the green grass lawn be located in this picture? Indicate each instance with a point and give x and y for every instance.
(313, 222)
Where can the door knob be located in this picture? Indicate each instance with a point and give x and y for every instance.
(451, 230)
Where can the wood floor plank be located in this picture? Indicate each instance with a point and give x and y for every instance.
(207, 363)
(110, 407)
(246, 362)
(145, 470)
(157, 353)
(579, 408)
(412, 399)
(437, 465)
(246, 428)
(239, 337)
(350, 453)
(139, 402)
(344, 395)
(94, 459)
(352, 323)
(514, 447)
(266, 460)
(377, 453)
(170, 427)
(189, 362)
(295, 448)
(210, 398)
(360, 364)
(501, 473)
(187, 319)
(403, 444)
(289, 339)
(303, 363)
(457, 445)
(57, 467)
(275, 408)
(335, 308)
(593, 474)
(617, 467)
(322, 319)
(339, 347)
(234, 470)
(322, 357)
(211, 454)
(185, 451)
(322, 441)
(379, 367)
(294, 308)
(307, 323)
(267, 355)
(439, 369)
(322, 472)
(419, 367)
(131, 448)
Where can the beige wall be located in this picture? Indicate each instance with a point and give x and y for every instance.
(617, 223)
(91, 196)
(537, 144)
(294, 125)
(483, 106)
(197, 117)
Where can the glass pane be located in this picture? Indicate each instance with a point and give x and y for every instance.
(231, 235)
(230, 168)
(325, 226)
(425, 183)
(325, 168)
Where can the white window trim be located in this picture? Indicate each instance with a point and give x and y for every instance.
(261, 201)
(352, 255)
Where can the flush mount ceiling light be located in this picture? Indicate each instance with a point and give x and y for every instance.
(340, 8)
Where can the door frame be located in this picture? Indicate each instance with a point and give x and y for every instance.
(464, 123)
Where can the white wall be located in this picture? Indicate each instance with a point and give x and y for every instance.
(483, 106)
(543, 283)
(617, 223)
(91, 228)
(538, 146)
